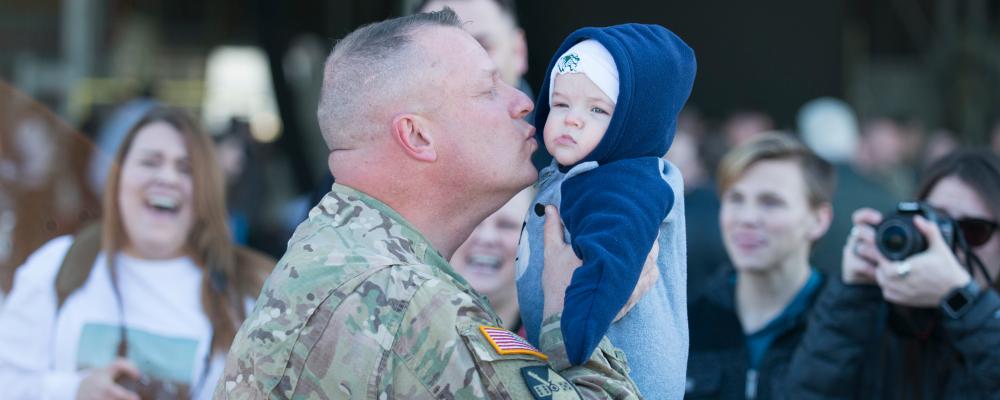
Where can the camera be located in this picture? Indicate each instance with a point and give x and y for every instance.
(898, 238)
(150, 388)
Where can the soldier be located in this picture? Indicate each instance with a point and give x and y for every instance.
(494, 25)
(425, 140)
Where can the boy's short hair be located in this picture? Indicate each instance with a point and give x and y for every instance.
(820, 177)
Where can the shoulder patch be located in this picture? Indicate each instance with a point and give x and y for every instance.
(544, 384)
(507, 342)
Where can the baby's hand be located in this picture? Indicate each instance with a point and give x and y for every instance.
(650, 274)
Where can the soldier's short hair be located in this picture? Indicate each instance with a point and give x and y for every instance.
(820, 177)
(366, 65)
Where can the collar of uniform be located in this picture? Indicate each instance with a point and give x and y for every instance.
(422, 248)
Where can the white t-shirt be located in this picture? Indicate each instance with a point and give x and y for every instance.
(45, 356)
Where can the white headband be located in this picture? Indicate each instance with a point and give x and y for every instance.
(593, 60)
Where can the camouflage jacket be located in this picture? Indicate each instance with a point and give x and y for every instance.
(362, 307)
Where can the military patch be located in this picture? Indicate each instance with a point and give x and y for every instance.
(545, 384)
(506, 342)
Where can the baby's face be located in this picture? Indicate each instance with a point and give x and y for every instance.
(579, 116)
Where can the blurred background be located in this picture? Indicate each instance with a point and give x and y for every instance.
(879, 87)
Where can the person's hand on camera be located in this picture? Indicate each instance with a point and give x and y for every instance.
(924, 279)
(861, 256)
(100, 383)
(560, 263)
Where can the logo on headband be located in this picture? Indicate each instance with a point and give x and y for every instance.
(568, 63)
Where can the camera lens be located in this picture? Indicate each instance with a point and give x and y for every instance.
(894, 239)
(897, 238)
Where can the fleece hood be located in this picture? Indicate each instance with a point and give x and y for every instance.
(656, 71)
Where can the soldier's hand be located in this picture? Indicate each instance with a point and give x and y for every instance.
(560, 262)
(650, 274)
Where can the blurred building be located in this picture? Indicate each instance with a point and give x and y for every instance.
(936, 62)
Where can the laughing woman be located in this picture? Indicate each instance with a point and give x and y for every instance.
(147, 303)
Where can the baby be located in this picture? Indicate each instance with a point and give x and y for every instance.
(609, 108)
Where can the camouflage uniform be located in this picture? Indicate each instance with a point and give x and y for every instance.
(361, 306)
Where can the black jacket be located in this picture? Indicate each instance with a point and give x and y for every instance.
(718, 362)
(852, 351)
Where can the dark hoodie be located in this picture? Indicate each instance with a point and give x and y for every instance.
(613, 212)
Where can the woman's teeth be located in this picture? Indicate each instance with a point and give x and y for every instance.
(485, 261)
(162, 203)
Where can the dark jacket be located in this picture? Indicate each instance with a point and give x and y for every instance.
(853, 351)
(718, 362)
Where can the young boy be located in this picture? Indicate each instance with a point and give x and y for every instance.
(607, 113)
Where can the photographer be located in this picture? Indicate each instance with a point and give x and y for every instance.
(925, 326)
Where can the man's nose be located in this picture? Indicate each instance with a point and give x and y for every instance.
(748, 215)
(520, 105)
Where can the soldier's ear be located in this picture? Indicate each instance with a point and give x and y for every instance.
(413, 135)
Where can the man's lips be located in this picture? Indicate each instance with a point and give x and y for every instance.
(531, 132)
(529, 138)
(748, 241)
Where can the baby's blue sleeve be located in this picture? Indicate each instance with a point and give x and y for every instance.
(613, 213)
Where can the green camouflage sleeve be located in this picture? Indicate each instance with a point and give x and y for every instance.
(443, 349)
(604, 375)
(407, 335)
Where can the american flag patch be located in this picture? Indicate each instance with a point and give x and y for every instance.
(506, 342)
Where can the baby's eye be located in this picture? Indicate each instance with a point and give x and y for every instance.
(599, 110)
(559, 105)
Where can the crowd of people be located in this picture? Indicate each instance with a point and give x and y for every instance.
(472, 242)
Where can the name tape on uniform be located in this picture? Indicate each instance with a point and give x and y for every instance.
(506, 342)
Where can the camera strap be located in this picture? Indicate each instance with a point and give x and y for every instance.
(122, 350)
(971, 259)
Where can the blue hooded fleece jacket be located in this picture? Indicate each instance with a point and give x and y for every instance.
(613, 202)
